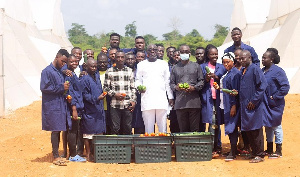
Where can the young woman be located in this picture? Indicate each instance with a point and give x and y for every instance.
(210, 97)
(278, 87)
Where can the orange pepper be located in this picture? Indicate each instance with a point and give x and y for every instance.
(123, 94)
(104, 93)
(114, 65)
(69, 97)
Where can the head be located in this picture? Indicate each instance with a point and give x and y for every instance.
(152, 51)
(199, 54)
(170, 52)
(130, 60)
(246, 59)
(120, 58)
(140, 43)
(91, 66)
(61, 58)
(270, 57)
(176, 56)
(236, 34)
(89, 53)
(228, 60)
(72, 62)
(114, 40)
(77, 52)
(185, 52)
(211, 54)
(140, 56)
(160, 51)
(237, 56)
(112, 54)
(102, 62)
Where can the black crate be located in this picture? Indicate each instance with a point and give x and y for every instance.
(195, 147)
(112, 148)
(152, 149)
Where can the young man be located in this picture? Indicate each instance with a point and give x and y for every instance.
(130, 61)
(199, 54)
(93, 121)
(160, 51)
(54, 105)
(187, 103)
(236, 35)
(252, 87)
(155, 76)
(119, 83)
(140, 56)
(89, 53)
(111, 57)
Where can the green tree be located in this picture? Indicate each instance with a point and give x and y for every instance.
(149, 39)
(173, 35)
(194, 33)
(130, 30)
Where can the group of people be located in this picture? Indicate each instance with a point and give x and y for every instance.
(92, 97)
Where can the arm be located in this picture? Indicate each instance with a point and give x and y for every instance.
(173, 80)
(48, 86)
(107, 84)
(260, 84)
(284, 85)
(200, 79)
(87, 91)
(139, 76)
(167, 83)
(132, 88)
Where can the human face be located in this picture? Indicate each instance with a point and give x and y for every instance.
(130, 61)
(114, 42)
(199, 54)
(112, 54)
(236, 35)
(91, 66)
(60, 61)
(152, 51)
(245, 59)
(228, 64)
(102, 63)
(266, 59)
(90, 53)
(140, 56)
(176, 56)
(170, 53)
(140, 44)
(72, 63)
(213, 56)
(237, 57)
(160, 52)
(120, 58)
(77, 53)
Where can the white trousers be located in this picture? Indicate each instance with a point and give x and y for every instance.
(149, 117)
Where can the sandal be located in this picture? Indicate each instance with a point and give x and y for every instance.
(60, 163)
(77, 158)
(274, 156)
(256, 159)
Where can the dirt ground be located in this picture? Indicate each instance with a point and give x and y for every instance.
(25, 150)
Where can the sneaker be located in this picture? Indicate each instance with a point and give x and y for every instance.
(274, 156)
(229, 158)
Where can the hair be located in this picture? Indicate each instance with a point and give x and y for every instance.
(236, 28)
(171, 47)
(274, 55)
(119, 51)
(238, 49)
(71, 55)
(101, 55)
(114, 34)
(87, 50)
(129, 53)
(160, 45)
(139, 37)
(230, 55)
(200, 48)
(75, 48)
(207, 49)
(63, 52)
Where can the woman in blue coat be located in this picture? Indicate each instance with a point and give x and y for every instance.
(230, 103)
(278, 88)
(210, 97)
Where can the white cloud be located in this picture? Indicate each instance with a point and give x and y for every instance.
(149, 11)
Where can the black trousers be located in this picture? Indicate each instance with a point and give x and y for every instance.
(233, 137)
(174, 126)
(121, 119)
(55, 138)
(256, 140)
(188, 119)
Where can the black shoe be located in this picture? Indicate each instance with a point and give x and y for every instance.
(229, 158)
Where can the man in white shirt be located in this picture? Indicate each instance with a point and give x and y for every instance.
(155, 100)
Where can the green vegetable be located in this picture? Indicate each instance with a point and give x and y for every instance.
(85, 58)
(180, 85)
(79, 118)
(207, 69)
(186, 85)
(141, 88)
(228, 91)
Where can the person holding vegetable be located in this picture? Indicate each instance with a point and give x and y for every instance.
(278, 88)
(210, 97)
(186, 81)
(229, 84)
(251, 93)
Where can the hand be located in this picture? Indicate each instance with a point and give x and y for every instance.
(84, 66)
(233, 111)
(142, 91)
(119, 96)
(190, 89)
(250, 106)
(74, 113)
(66, 86)
(234, 93)
(83, 73)
(131, 106)
(102, 96)
(216, 86)
(171, 102)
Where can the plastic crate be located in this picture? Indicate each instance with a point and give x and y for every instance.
(112, 148)
(191, 148)
(152, 149)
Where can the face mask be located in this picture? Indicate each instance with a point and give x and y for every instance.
(184, 56)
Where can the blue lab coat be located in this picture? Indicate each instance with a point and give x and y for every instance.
(54, 105)
(206, 96)
(93, 121)
(278, 87)
(252, 88)
(75, 90)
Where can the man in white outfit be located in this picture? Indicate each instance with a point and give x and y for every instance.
(155, 101)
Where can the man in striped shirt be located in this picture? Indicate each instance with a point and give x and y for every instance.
(119, 83)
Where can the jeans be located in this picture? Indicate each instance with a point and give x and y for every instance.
(121, 120)
(277, 131)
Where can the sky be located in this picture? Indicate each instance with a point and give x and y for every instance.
(151, 16)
